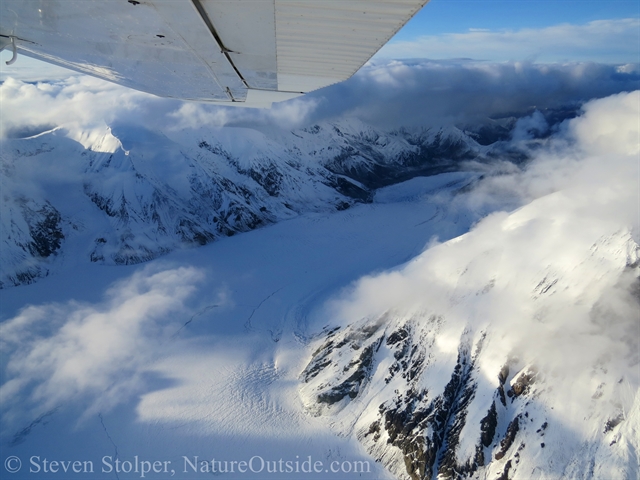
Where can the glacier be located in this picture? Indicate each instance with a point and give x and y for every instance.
(431, 303)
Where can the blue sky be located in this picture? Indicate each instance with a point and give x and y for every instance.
(522, 30)
(458, 16)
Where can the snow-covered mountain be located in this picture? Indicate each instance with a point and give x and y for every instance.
(444, 303)
(510, 352)
(447, 388)
(132, 194)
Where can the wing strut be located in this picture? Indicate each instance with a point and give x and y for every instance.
(225, 51)
(4, 42)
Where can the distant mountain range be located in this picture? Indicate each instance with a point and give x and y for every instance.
(129, 195)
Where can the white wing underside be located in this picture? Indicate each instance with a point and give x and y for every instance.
(248, 52)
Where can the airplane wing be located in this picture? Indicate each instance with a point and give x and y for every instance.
(249, 52)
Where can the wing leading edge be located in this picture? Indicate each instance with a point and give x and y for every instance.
(243, 52)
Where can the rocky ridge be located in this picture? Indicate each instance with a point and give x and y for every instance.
(134, 194)
(432, 393)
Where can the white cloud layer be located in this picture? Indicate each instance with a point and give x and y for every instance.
(554, 281)
(96, 354)
(406, 93)
(606, 41)
(429, 92)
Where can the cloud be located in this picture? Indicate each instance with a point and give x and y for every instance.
(92, 353)
(601, 133)
(552, 281)
(388, 94)
(427, 93)
(282, 115)
(530, 127)
(80, 104)
(606, 41)
(591, 153)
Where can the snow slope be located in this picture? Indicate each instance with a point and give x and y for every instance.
(197, 353)
(512, 351)
(125, 194)
(406, 331)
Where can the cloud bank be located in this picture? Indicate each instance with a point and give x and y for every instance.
(92, 354)
(390, 94)
(555, 282)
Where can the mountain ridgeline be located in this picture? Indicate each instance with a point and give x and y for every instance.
(130, 195)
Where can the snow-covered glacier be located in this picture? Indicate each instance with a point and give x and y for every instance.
(422, 301)
(129, 194)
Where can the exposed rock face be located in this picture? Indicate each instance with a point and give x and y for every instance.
(433, 401)
(34, 235)
(422, 426)
(45, 230)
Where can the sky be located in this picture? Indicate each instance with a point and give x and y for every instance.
(460, 16)
(503, 30)
(492, 30)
